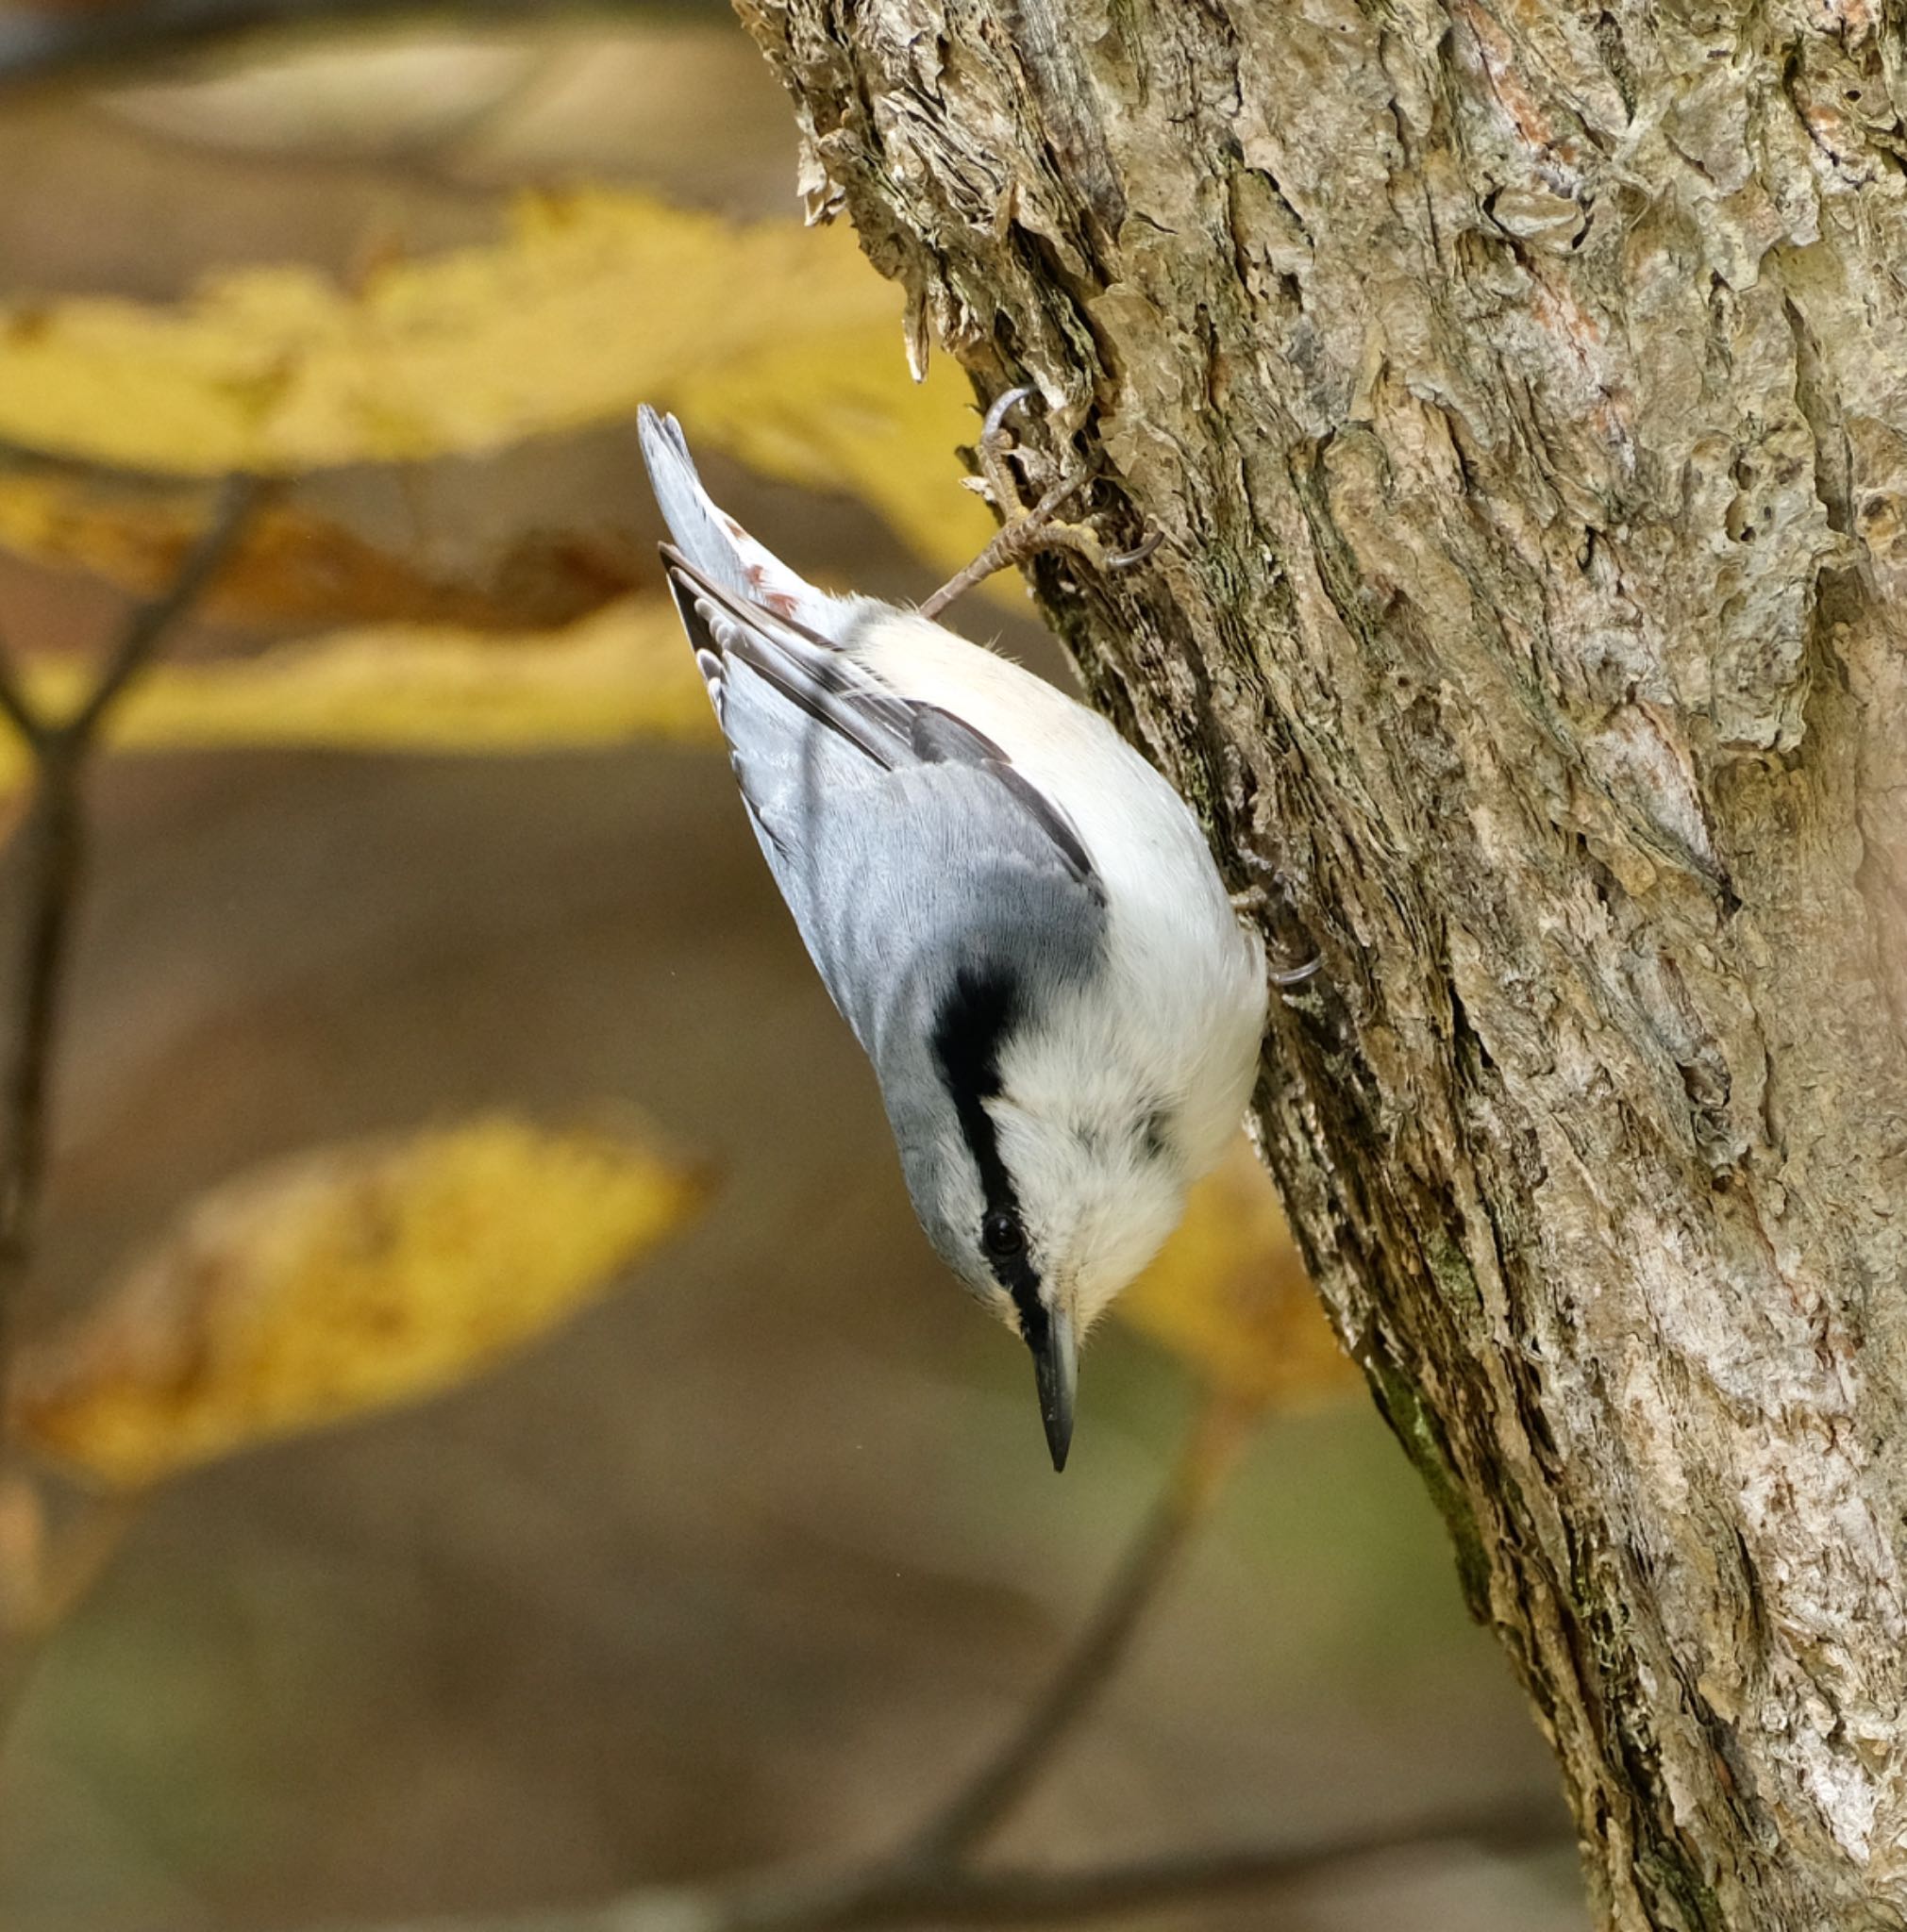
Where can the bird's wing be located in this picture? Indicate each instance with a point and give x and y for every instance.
(854, 711)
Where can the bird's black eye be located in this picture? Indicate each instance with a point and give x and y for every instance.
(1002, 1235)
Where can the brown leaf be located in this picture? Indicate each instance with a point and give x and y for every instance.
(620, 674)
(292, 562)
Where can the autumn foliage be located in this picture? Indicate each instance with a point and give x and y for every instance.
(353, 1277)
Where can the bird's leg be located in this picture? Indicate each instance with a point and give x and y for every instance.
(1026, 531)
(1262, 902)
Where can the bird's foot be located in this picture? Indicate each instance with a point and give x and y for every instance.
(1268, 905)
(1027, 529)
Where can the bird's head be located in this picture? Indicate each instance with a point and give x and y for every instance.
(1045, 1176)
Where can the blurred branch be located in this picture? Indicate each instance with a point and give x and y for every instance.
(13, 704)
(151, 623)
(931, 1881)
(41, 46)
(1030, 1896)
(1210, 1450)
(1023, 1896)
(50, 840)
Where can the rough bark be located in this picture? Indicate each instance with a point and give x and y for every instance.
(1522, 389)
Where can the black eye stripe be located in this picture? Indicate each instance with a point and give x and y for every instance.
(973, 1023)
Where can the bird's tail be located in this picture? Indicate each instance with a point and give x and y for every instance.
(710, 539)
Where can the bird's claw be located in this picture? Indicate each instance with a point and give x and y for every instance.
(1027, 530)
(1127, 559)
(1265, 903)
(1001, 487)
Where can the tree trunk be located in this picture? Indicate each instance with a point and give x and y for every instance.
(1522, 392)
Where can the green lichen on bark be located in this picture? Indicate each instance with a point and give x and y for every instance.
(1416, 1431)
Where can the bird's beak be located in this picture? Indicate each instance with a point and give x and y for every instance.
(1056, 1368)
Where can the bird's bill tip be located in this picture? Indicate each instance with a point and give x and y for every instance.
(1056, 1370)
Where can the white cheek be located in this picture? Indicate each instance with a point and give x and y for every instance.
(1095, 1220)
(1119, 1246)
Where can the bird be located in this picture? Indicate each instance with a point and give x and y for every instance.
(1017, 916)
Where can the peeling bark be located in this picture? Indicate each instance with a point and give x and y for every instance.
(1523, 393)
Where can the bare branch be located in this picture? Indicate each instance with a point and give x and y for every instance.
(152, 622)
(1028, 1896)
(927, 1884)
(1023, 1896)
(51, 844)
(1211, 1449)
(50, 841)
(14, 705)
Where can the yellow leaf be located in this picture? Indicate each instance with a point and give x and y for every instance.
(344, 1280)
(290, 562)
(817, 414)
(1228, 1295)
(778, 340)
(624, 673)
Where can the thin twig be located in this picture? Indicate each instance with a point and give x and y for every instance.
(929, 1882)
(1212, 1447)
(150, 624)
(14, 705)
(51, 841)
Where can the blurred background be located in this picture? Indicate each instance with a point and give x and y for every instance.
(752, 1557)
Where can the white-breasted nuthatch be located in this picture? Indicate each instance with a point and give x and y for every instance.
(1019, 918)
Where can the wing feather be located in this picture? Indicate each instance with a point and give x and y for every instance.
(825, 683)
